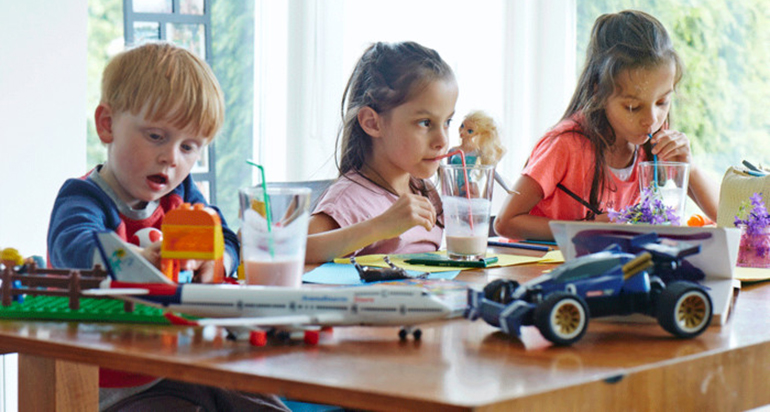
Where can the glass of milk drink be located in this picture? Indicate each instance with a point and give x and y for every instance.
(273, 244)
(670, 179)
(466, 196)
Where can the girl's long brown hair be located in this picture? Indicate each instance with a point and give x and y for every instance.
(386, 76)
(620, 41)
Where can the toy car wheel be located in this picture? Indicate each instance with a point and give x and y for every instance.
(656, 285)
(500, 290)
(684, 309)
(562, 318)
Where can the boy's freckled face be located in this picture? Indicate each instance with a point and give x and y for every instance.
(147, 160)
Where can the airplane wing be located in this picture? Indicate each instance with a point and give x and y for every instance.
(115, 292)
(288, 320)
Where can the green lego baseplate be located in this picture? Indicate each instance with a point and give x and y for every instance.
(91, 310)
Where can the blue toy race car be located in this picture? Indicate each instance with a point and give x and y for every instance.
(668, 253)
(606, 283)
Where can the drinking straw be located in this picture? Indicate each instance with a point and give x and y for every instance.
(266, 199)
(654, 168)
(467, 186)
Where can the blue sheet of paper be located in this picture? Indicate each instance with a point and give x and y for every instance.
(345, 274)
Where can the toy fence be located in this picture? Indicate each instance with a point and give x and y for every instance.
(53, 282)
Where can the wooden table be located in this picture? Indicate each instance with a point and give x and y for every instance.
(458, 365)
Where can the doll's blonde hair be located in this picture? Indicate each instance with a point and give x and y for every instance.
(485, 137)
(165, 82)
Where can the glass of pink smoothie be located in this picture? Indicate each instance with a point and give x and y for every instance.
(274, 253)
(466, 209)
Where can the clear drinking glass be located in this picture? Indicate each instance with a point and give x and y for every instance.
(273, 250)
(466, 195)
(670, 179)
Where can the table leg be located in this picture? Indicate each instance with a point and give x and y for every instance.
(47, 384)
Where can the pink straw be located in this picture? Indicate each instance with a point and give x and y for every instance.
(467, 187)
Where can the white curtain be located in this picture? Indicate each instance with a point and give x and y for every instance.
(514, 59)
(540, 73)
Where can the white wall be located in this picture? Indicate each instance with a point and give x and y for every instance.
(42, 125)
(42, 113)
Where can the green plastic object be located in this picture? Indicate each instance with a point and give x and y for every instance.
(91, 310)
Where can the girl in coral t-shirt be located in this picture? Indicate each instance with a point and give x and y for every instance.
(617, 118)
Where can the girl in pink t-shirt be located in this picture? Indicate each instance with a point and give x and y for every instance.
(397, 107)
(618, 117)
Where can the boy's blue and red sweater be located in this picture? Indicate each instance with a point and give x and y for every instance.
(86, 205)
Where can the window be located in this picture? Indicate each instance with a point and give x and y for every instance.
(105, 39)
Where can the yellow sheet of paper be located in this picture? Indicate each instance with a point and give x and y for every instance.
(378, 261)
(554, 256)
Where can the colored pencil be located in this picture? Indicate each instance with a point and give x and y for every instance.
(539, 242)
(520, 246)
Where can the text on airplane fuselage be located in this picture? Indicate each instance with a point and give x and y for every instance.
(325, 298)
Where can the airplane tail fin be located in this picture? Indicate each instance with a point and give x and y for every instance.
(124, 264)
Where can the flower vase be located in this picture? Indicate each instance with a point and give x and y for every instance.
(754, 251)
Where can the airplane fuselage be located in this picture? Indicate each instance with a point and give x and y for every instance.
(366, 305)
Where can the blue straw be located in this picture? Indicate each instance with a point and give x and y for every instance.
(655, 168)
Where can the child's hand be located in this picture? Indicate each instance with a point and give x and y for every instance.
(671, 145)
(409, 210)
(203, 269)
(604, 218)
(151, 253)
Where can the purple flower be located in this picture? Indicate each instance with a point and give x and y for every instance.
(614, 215)
(672, 216)
(755, 219)
(650, 209)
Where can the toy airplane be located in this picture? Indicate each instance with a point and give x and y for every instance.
(131, 277)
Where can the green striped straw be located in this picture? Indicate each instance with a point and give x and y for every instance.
(266, 199)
